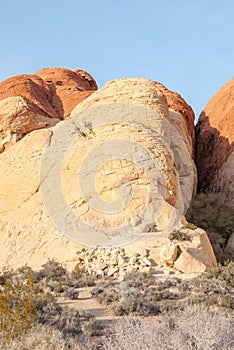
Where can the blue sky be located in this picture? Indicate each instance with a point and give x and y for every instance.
(186, 45)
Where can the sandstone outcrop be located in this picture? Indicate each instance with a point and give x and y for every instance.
(177, 126)
(68, 88)
(182, 141)
(215, 144)
(31, 102)
(177, 104)
(130, 191)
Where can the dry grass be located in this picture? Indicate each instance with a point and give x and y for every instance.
(44, 338)
(194, 328)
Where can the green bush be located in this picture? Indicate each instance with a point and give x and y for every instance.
(178, 236)
(223, 273)
(51, 270)
(17, 308)
(5, 275)
(191, 226)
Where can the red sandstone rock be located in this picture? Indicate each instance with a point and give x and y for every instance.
(33, 89)
(215, 143)
(68, 88)
(31, 102)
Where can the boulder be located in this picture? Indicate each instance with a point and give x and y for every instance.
(188, 264)
(33, 89)
(19, 116)
(68, 88)
(168, 254)
(215, 144)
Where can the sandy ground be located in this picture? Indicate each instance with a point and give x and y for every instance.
(89, 304)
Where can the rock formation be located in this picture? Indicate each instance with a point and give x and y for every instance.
(215, 144)
(31, 102)
(132, 189)
(68, 88)
(177, 104)
(182, 141)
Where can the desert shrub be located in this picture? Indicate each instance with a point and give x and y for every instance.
(46, 338)
(193, 328)
(137, 294)
(134, 302)
(81, 277)
(78, 271)
(51, 270)
(83, 281)
(138, 280)
(29, 299)
(17, 308)
(144, 295)
(71, 293)
(210, 212)
(5, 275)
(191, 226)
(178, 236)
(68, 321)
(222, 273)
(207, 292)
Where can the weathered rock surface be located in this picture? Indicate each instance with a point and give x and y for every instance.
(182, 140)
(19, 116)
(176, 127)
(68, 88)
(215, 144)
(32, 88)
(177, 104)
(31, 102)
(129, 112)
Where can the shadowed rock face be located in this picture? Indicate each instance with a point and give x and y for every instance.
(31, 102)
(215, 144)
(158, 153)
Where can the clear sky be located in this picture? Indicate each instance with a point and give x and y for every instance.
(186, 45)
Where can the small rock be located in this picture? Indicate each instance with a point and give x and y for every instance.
(143, 252)
(122, 261)
(101, 266)
(147, 261)
(168, 254)
(112, 271)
